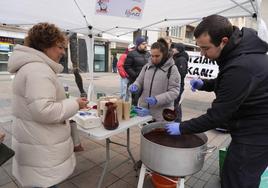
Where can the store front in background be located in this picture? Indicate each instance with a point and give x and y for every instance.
(100, 56)
(6, 48)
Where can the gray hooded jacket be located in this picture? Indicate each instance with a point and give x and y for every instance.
(154, 82)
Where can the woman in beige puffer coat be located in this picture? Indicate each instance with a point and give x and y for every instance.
(40, 131)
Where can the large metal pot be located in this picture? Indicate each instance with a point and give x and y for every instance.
(172, 161)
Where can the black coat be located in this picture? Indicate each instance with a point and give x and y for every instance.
(241, 89)
(181, 62)
(134, 62)
(115, 60)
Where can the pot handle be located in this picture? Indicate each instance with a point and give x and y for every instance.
(142, 125)
(209, 149)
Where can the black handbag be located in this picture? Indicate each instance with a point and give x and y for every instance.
(5, 153)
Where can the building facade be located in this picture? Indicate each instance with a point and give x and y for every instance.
(9, 36)
(185, 34)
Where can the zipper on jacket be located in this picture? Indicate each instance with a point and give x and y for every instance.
(150, 91)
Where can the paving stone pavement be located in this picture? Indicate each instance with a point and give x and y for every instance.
(90, 162)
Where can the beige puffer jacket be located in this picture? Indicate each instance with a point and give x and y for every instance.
(41, 134)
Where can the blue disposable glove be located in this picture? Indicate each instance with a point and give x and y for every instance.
(133, 88)
(196, 84)
(141, 111)
(173, 128)
(151, 100)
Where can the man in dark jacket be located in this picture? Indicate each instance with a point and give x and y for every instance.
(181, 61)
(241, 102)
(134, 63)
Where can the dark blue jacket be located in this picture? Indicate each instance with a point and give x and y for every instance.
(241, 89)
(135, 61)
(181, 62)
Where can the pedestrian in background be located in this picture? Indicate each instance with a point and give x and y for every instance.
(41, 136)
(241, 99)
(121, 70)
(114, 64)
(136, 59)
(181, 61)
(2, 136)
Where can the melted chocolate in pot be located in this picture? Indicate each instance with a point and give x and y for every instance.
(161, 137)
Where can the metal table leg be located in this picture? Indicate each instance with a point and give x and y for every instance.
(108, 142)
(106, 162)
(128, 148)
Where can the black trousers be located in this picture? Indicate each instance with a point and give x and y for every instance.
(135, 98)
(244, 165)
(177, 106)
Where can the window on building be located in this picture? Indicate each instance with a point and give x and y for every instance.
(189, 32)
(175, 31)
(6, 48)
(99, 58)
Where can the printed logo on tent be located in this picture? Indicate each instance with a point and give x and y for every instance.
(135, 11)
(103, 6)
(132, 9)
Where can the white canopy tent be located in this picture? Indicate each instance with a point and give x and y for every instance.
(71, 14)
(79, 16)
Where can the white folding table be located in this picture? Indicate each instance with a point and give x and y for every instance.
(100, 133)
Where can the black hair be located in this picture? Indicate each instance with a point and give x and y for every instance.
(216, 26)
(162, 45)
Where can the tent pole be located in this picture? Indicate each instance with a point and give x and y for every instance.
(195, 19)
(128, 28)
(254, 8)
(242, 7)
(90, 53)
(90, 64)
(223, 12)
(155, 23)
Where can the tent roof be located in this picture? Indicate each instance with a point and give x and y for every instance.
(68, 14)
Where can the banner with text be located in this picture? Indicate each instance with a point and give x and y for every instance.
(200, 66)
(121, 8)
